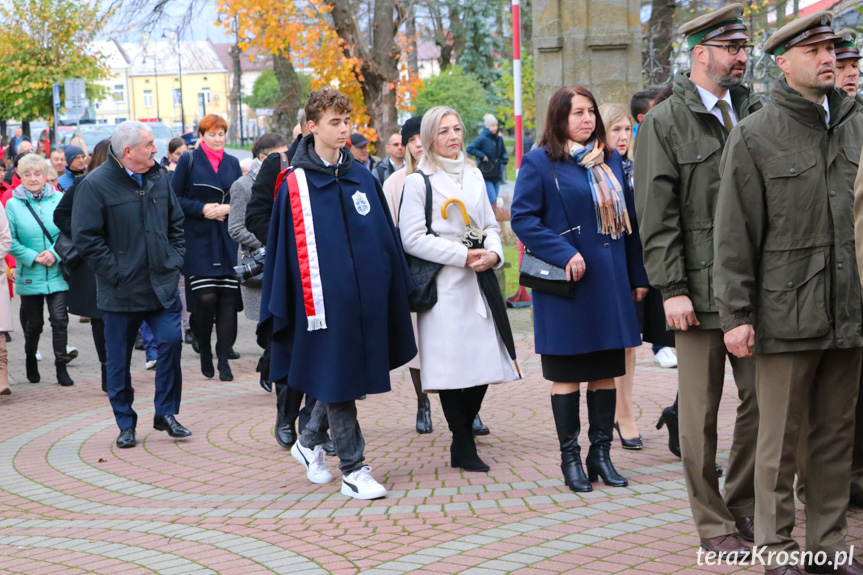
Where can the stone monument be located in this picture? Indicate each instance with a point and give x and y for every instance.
(592, 43)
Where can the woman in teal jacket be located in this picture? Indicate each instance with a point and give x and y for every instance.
(38, 277)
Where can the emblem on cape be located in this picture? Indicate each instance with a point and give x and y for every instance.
(361, 203)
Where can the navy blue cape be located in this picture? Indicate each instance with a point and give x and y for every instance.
(365, 284)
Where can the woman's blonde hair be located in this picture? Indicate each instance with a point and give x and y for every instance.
(33, 162)
(428, 134)
(612, 114)
(411, 163)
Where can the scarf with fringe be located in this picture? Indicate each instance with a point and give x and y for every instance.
(612, 217)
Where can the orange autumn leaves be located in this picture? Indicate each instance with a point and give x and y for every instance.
(306, 35)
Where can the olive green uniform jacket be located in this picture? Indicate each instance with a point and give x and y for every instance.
(677, 153)
(785, 225)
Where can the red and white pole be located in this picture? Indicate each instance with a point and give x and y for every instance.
(521, 296)
(516, 80)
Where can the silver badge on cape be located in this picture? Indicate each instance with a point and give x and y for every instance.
(361, 203)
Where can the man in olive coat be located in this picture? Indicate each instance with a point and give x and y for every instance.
(788, 288)
(677, 152)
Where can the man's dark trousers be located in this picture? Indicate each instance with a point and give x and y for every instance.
(120, 331)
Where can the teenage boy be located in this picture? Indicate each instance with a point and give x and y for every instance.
(335, 289)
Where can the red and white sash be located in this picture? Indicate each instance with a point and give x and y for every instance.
(307, 250)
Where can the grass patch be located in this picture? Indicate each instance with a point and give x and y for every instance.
(510, 255)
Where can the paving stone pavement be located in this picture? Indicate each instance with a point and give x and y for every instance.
(230, 501)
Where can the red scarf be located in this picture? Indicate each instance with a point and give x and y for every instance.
(214, 157)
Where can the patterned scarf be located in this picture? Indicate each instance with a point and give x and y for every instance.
(612, 218)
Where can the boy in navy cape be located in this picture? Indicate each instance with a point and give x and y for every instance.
(335, 292)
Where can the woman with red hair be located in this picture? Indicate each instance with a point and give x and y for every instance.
(202, 182)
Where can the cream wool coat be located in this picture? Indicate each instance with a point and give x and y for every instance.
(5, 245)
(458, 342)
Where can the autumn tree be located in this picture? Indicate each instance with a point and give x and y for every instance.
(42, 43)
(505, 87)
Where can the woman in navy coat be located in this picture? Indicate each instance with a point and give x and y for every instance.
(573, 208)
(202, 182)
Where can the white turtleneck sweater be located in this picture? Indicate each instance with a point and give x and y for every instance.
(453, 168)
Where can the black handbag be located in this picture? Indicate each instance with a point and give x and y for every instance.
(423, 272)
(540, 275)
(491, 168)
(63, 245)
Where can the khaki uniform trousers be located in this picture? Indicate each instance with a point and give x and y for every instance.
(822, 384)
(701, 377)
(857, 459)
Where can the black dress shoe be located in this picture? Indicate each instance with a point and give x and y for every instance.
(634, 444)
(856, 499)
(233, 354)
(188, 338)
(139, 342)
(127, 438)
(170, 424)
(669, 419)
(285, 432)
(478, 427)
(718, 471)
(329, 447)
(225, 373)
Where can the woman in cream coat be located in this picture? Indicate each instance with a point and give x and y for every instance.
(5, 306)
(460, 349)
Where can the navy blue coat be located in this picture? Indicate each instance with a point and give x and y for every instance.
(211, 251)
(491, 146)
(365, 285)
(601, 314)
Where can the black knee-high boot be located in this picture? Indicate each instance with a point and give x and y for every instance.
(288, 402)
(567, 420)
(600, 414)
(459, 414)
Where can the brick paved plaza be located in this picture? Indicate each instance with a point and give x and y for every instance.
(231, 501)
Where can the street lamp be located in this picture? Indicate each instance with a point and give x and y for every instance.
(180, 68)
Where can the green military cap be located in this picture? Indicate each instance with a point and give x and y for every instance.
(846, 48)
(723, 24)
(802, 32)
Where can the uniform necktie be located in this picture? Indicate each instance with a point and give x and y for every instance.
(726, 117)
(138, 179)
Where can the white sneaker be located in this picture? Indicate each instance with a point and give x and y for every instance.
(151, 364)
(361, 485)
(666, 357)
(313, 461)
(38, 356)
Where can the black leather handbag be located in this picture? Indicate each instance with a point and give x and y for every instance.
(423, 272)
(540, 275)
(63, 245)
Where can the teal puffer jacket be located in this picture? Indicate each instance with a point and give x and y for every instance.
(28, 241)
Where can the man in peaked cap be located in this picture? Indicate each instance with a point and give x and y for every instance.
(847, 63)
(679, 146)
(788, 290)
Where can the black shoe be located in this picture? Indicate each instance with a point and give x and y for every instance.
(856, 499)
(424, 421)
(600, 413)
(669, 418)
(68, 357)
(718, 471)
(188, 337)
(478, 427)
(225, 373)
(329, 447)
(33, 369)
(266, 385)
(139, 342)
(567, 420)
(170, 424)
(196, 345)
(233, 354)
(207, 363)
(285, 432)
(126, 438)
(105, 378)
(634, 444)
(63, 375)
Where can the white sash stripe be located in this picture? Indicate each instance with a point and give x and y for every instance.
(318, 320)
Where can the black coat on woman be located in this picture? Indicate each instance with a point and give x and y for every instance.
(82, 280)
(210, 250)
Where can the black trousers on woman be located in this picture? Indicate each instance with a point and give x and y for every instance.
(32, 320)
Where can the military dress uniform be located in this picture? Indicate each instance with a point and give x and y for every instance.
(785, 258)
(679, 146)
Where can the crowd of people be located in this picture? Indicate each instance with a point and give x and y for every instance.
(699, 218)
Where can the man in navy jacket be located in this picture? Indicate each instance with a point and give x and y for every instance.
(335, 291)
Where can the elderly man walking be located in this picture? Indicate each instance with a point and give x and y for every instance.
(788, 290)
(128, 225)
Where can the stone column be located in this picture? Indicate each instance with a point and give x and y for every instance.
(592, 43)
